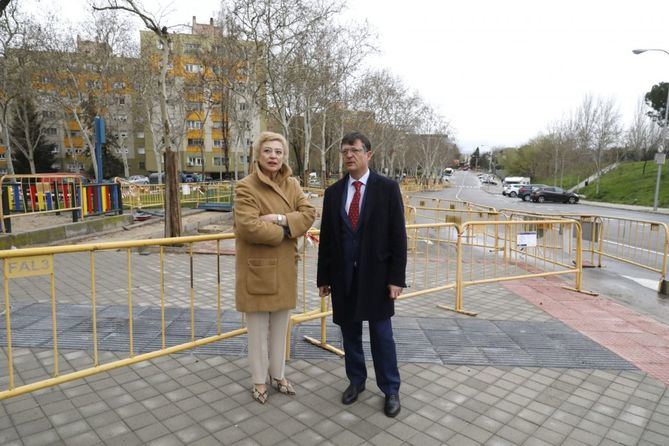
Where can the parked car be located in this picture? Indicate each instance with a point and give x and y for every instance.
(511, 190)
(138, 179)
(554, 194)
(189, 178)
(525, 191)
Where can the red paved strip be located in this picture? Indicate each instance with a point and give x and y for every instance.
(641, 340)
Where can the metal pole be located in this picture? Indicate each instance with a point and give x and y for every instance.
(657, 185)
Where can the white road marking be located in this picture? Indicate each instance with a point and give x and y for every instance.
(648, 283)
(636, 248)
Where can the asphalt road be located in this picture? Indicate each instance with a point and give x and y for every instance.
(630, 285)
(467, 187)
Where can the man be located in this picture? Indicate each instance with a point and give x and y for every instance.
(361, 262)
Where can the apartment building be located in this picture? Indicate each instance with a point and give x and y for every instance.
(211, 127)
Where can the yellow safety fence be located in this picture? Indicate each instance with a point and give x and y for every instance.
(190, 273)
(442, 203)
(142, 196)
(642, 243)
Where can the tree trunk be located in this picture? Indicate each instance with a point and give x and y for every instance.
(8, 147)
(30, 148)
(172, 205)
(124, 158)
(307, 143)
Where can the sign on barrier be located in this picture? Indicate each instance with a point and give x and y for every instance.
(29, 266)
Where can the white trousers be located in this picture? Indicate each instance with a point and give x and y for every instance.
(267, 344)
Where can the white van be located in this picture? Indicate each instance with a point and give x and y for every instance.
(510, 185)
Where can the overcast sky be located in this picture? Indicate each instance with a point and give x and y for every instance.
(501, 71)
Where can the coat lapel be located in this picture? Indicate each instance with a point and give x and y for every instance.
(369, 200)
(341, 195)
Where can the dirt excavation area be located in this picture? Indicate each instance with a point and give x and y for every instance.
(193, 222)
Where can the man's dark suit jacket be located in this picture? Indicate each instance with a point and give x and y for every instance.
(378, 247)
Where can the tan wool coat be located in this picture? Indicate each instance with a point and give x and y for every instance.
(266, 261)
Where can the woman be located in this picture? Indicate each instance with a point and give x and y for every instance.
(271, 213)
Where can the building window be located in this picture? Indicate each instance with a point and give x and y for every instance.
(191, 47)
(192, 68)
(118, 85)
(199, 142)
(55, 149)
(94, 84)
(142, 165)
(194, 125)
(242, 105)
(218, 143)
(194, 161)
(220, 161)
(2, 156)
(48, 114)
(141, 150)
(122, 118)
(140, 135)
(121, 100)
(217, 125)
(194, 105)
(51, 131)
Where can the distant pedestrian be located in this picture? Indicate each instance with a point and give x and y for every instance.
(587, 182)
(271, 213)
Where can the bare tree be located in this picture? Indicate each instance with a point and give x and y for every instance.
(10, 30)
(643, 136)
(275, 32)
(172, 205)
(24, 61)
(597, 128)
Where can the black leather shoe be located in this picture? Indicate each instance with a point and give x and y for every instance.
(392, 406)
(351, 393)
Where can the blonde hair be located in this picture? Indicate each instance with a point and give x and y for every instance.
(270, 136)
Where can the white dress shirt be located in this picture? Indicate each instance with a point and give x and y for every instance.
(351, 190)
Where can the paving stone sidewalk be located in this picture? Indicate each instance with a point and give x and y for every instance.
(203, 397)
(538, 366)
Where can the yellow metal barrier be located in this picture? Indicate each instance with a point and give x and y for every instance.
(528, 249)
(141, 196)
(643, 243)
(431, 268)
(443, 203)
(32, 264)
(442, 256)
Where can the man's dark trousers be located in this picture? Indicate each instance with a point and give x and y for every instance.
(383, 353)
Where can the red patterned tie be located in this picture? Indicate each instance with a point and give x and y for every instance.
(354, 209)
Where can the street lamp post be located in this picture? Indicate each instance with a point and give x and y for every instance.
(659, 158)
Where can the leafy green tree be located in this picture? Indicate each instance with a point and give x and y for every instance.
(656, 99)
(475, 159)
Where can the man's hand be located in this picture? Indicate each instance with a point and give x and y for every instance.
(395, 291)
(324, 291)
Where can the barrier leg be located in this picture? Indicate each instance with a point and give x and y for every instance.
(579, 265)
(458, 283)
(323, 343)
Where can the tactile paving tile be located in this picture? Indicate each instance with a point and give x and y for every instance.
(429, 340)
